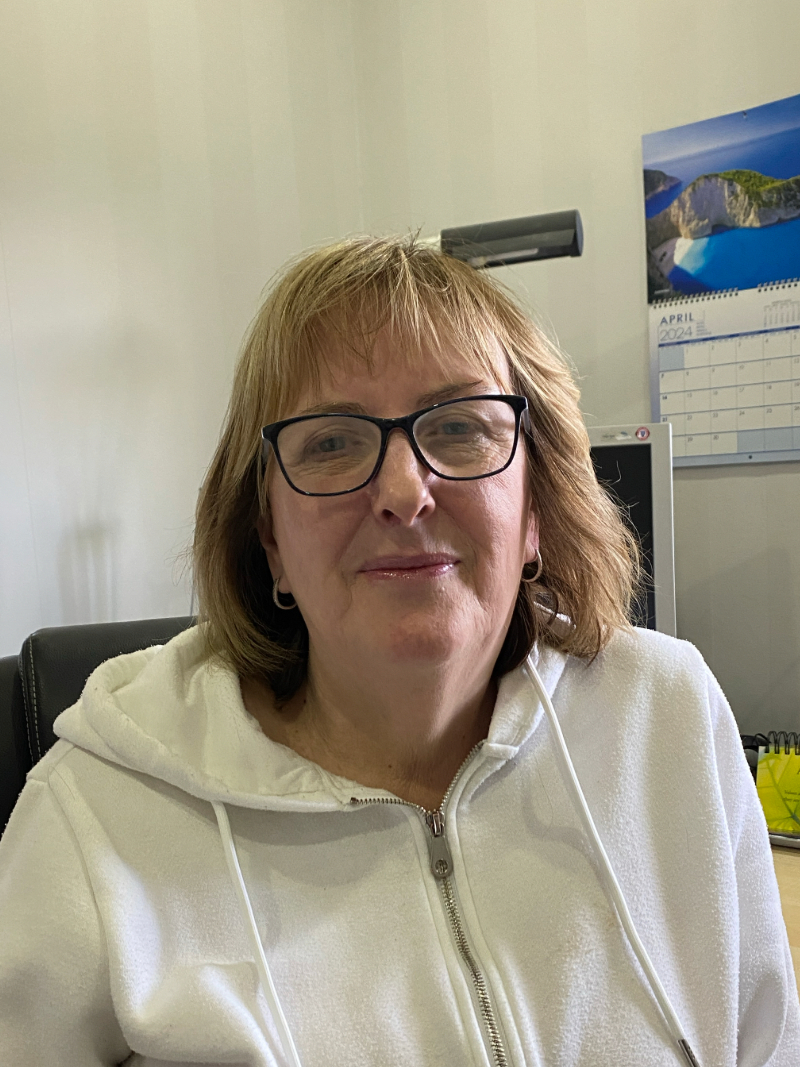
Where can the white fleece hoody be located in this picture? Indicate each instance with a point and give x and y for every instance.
(123, 937)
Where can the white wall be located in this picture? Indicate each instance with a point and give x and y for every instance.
(158, 160)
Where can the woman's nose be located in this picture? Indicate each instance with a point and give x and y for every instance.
(400, 490)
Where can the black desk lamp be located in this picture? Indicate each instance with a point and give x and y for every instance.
(494, 244)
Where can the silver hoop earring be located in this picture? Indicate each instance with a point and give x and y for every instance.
(276, 601)
(538, 574)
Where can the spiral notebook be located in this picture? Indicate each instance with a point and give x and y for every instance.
(776, 768)
(725, 371)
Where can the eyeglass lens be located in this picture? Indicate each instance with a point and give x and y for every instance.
(337, 453)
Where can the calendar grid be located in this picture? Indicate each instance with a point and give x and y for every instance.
(727, 376)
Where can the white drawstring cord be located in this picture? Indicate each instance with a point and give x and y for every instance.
(612, 884)
(250, 922)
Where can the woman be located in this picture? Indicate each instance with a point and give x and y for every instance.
(335, 823)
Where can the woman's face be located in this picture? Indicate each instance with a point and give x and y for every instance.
(411, 567)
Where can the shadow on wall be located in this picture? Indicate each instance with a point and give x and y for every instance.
(744, 620)
(87, 564)
(110, 396)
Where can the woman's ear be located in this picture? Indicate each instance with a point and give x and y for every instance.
(532, 539)
(270, 545)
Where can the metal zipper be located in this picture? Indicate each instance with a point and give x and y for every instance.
(441, 862)
(478, 980)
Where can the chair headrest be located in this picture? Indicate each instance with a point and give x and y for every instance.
(54, 664)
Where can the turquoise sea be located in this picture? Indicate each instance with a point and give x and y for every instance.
(738, 259)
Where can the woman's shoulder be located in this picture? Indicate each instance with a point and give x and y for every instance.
(644, 681)
(649, 655)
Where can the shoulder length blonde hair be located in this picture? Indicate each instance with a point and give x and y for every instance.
(349, 291)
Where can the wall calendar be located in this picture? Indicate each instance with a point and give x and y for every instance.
(725, 371)
(722, 229)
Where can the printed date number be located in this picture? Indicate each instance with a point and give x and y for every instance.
(674, 333)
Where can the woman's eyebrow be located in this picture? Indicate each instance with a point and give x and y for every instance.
(335, 407)
(448, 392)
(349, 407)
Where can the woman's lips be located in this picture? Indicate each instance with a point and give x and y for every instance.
(433, 565)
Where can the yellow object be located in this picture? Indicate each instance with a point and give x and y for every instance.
(778, 784)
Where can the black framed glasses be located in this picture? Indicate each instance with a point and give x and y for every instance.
(460, 440)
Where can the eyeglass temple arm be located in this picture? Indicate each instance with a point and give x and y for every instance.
(266, 444)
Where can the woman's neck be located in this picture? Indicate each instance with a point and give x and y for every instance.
(403, 728)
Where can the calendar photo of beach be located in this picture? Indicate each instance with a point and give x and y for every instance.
(722, 202)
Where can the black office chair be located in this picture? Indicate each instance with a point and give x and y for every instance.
(47, 677)
(14, 755)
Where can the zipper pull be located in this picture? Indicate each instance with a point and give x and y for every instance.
(441, 860)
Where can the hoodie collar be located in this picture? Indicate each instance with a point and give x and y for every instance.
(172, 713)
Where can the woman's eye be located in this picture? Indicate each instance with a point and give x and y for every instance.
(331, 444)
(335, 445)
(454, 428)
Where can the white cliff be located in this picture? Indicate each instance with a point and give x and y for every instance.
(715, 202)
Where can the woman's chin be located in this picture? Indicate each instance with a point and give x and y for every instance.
(420, 638)
(407, 628)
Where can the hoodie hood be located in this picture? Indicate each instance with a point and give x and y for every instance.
(174, 714)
